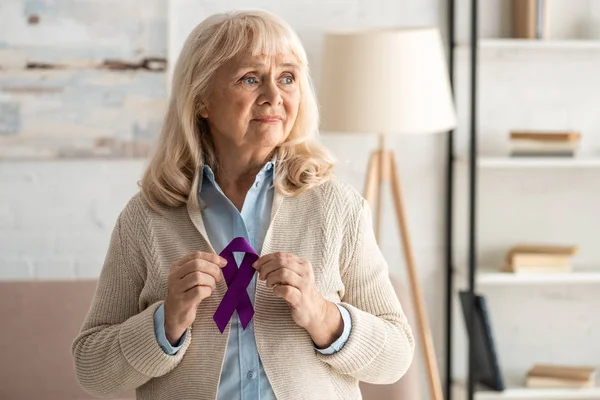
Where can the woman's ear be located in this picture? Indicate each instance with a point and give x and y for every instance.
(203, 111)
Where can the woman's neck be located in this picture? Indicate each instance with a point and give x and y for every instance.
(237, 172)
(239, 169)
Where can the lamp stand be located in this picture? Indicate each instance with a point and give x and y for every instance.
(382, 169)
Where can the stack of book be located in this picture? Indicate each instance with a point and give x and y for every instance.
(530, 19)
(558, 376)
(541, 259)
(544, 144)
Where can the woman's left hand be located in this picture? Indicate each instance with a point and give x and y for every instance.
(292, 278)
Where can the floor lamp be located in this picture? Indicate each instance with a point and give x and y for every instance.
(389, 81)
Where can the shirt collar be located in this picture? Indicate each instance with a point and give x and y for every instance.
(268, 168)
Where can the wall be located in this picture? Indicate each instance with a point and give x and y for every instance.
(56, 216)
(80, 79)
(71, 121)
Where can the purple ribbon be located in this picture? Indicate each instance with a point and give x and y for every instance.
(236, 297)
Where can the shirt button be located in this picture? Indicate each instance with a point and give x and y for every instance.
(250, 375)
(256, 184)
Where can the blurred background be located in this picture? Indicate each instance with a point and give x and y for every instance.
(83, 87)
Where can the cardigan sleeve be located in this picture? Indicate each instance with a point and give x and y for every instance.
(116, 349)
(381, 345)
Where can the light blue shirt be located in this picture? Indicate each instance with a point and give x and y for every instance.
(243, 376)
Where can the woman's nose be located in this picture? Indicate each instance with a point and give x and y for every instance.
(271, 93)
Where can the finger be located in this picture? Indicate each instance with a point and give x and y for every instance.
(197, 278)
(197, 293)
(264, 259)
(284, 276)
(183, 260)
(290, 294)
(281, 256)
(273, 267)
(285, 260)
(293, 262)
(202, 266)
(211, 257)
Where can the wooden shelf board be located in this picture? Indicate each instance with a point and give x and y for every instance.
(533, 162)
(486, 275)
(506, 278)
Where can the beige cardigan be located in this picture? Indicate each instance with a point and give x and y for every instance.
(329, 225)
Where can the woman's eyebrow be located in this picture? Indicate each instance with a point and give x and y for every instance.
(259, 65)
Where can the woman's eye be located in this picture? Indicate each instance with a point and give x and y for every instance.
(288, 80)
(249, 80)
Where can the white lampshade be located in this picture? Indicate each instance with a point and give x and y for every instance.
(390, 81)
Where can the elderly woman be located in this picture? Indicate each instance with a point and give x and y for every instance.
(310, 311)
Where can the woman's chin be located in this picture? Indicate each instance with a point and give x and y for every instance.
(269, 137)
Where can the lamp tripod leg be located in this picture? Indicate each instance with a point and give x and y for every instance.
(382, 168)
(373, 188)
(433, 374)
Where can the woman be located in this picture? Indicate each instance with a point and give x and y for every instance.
(238, 158)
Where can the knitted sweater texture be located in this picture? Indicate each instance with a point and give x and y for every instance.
(329, 225)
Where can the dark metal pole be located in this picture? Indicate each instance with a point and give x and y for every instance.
(472, 198)
(449, 213)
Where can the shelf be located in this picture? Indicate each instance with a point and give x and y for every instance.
(521, 393)
(525, 44)
(506, 278)
(486, 275)
(534, 162)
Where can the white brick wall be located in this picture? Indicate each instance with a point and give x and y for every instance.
(57, 216)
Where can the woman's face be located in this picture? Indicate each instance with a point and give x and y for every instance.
(253, 100)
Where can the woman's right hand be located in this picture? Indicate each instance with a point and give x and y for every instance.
(192, 279)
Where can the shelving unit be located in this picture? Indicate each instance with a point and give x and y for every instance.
(485, 276)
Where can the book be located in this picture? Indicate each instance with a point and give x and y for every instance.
(539, 263)
(564, 154)
(544, 146)
(524, 19)
(550, 382)
(535, 148)
(541, 31)
(539, 259)
(582, 373)
(547, 136)
(526, 248)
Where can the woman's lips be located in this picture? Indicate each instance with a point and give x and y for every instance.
(269, 119)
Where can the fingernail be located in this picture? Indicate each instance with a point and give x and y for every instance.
(223, 261)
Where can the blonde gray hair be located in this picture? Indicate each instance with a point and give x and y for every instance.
(185, 143)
